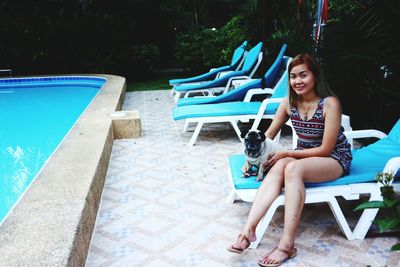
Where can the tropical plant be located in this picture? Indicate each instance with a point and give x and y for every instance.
(206, 48)
(391, 202)
(359, 39)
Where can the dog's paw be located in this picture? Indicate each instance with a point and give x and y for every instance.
(260, 177)
(246, 174)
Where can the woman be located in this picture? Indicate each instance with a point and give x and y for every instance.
(322, 154)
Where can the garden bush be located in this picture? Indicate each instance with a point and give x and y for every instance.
(203, 49)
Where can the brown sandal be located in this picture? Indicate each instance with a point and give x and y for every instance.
(240, 250)
(290, 255)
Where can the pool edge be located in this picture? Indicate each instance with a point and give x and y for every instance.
(63, 201)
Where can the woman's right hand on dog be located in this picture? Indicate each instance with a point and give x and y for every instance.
(273, 158)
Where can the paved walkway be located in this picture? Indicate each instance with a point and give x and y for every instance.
(164, 204)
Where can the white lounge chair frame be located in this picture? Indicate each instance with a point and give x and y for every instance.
(328, 194)
(233, 120)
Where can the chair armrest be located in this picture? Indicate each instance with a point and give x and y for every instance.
(7, 70)
(237, 83)
(262, 109)
(223, 73)
(365, 134)
(235, 78)
(257, 91)
(346, 122)
(357, 134)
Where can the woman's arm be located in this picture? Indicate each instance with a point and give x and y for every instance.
(280, 118)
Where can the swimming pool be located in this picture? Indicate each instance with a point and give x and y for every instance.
(36, 114)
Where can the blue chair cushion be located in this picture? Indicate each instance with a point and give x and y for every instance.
(367, 163)
(203, 77)
(249, 63)
(236, 94)
(272, 74)
(238, 55)
(220, 82)
(236, 58)
(394, 134)
(239, 93)
(252, 58)
(221, 109)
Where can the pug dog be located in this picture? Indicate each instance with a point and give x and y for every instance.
(258, 148)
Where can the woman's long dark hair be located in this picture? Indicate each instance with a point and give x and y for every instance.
(322, 89)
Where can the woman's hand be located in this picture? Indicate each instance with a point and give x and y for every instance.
(273, 158)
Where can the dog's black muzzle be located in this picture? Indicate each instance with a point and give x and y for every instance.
(253, 143)
(253, 150)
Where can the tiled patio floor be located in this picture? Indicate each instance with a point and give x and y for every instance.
(164, 204)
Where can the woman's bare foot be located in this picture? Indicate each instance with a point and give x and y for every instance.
(277, 256)
(242, 242)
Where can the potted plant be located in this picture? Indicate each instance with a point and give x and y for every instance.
(391, 202)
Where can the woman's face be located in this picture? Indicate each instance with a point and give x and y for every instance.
(302, 80)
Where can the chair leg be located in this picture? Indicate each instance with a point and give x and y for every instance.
(185, 126)
(237, 130)
(177, 96)
(172, 92)
(232, 197)
(196, 133)
(336, 210)
(263, 224)
(368, 215)
(339, 216)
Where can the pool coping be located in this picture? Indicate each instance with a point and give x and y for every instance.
(63, 200)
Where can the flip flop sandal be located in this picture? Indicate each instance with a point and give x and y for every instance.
(240, 250)
(291, 254)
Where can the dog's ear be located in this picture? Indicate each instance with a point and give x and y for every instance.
(263, 137)
(243, 134)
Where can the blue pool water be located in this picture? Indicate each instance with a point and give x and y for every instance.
(35, 116)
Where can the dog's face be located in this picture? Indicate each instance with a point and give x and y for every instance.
(253, 142)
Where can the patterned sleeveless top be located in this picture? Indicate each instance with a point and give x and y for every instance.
(310, 135)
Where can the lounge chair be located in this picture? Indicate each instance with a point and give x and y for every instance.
(236, 111)
(250, 65)
(381, 156)
(237, 94)
(236, 63)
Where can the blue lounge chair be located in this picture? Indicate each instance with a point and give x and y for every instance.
(250, 65)
(236, 63)
(233, 112)
(381, 156)
(269, 80)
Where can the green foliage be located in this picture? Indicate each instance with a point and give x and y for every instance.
(147, 86)
(232, 35)
(391, 202)
(127, 37)
(359, 38)
(199, 50)
(145, 55)
(206, 48)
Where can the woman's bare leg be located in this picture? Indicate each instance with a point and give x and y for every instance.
(268, 191)
(296, 173)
